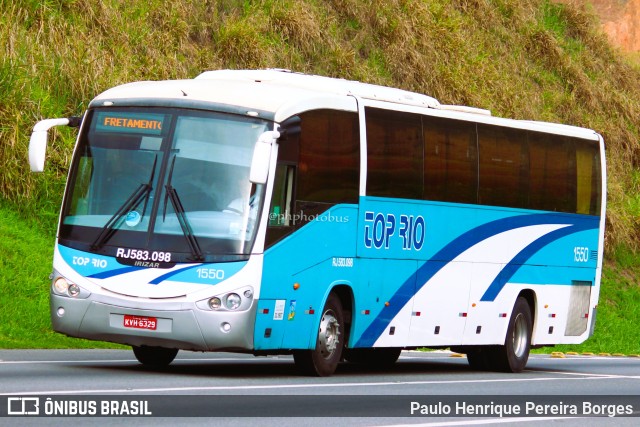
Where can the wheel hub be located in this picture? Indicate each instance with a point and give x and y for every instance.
(520, 336)
(328, 335)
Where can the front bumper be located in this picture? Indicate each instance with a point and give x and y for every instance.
(179, 325)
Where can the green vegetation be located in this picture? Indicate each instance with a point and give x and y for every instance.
(26, 251)
(529, 59)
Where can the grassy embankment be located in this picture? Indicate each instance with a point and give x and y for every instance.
(528, 59)
(26, 251)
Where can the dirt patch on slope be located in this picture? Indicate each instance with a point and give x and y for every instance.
(620, 21)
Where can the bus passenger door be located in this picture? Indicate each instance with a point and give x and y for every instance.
(389, 270)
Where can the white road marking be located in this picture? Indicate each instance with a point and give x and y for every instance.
(302, 386)
(35, 362)
(562, 376)
(288, 359)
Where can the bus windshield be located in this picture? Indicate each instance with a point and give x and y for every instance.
(163, 185)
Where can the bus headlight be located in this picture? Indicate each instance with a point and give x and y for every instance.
(233, 301)
(60, 286)
(238, 300)
(63, 287)
(73, 290)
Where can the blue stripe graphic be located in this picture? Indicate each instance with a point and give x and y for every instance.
(466, 241)
(510, 269)
(160, 279)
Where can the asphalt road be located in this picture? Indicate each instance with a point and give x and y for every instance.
(233, 390)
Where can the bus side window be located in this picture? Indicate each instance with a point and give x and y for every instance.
(504, 166)
(394, 154)
(552, 184)
(451, 160)
(280, 222)
(316, 170)
(588, 184)
(280, 214)
(329, 163)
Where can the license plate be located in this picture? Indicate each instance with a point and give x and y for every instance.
(140, 322)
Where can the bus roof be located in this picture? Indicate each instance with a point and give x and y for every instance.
(277, 94)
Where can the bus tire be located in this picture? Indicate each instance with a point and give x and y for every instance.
(323, 360)
(480, 358)
(374, 357)
(154, 356)
(513, 355)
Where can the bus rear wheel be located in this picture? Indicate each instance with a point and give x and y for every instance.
(154, 356)
(514, 354)
(480, 358)
(323, 360)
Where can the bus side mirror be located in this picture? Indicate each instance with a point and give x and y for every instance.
(37, 149)
(262, 157)
(38, 141)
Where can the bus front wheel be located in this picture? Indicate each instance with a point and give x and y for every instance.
(154, 356)
(323, 360)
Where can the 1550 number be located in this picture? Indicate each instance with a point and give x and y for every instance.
(581, 254)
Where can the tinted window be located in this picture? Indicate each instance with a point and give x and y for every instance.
(317, 169)
(552, 173)
(395, 154)
(329, 162)
(588, 171)
(503, 166)
(450, 168)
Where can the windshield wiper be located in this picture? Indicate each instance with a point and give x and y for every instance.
(172, 195)
(134, 199)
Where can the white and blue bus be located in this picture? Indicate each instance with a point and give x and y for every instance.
(272, 212)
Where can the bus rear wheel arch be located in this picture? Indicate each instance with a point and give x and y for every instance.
(513, 355)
